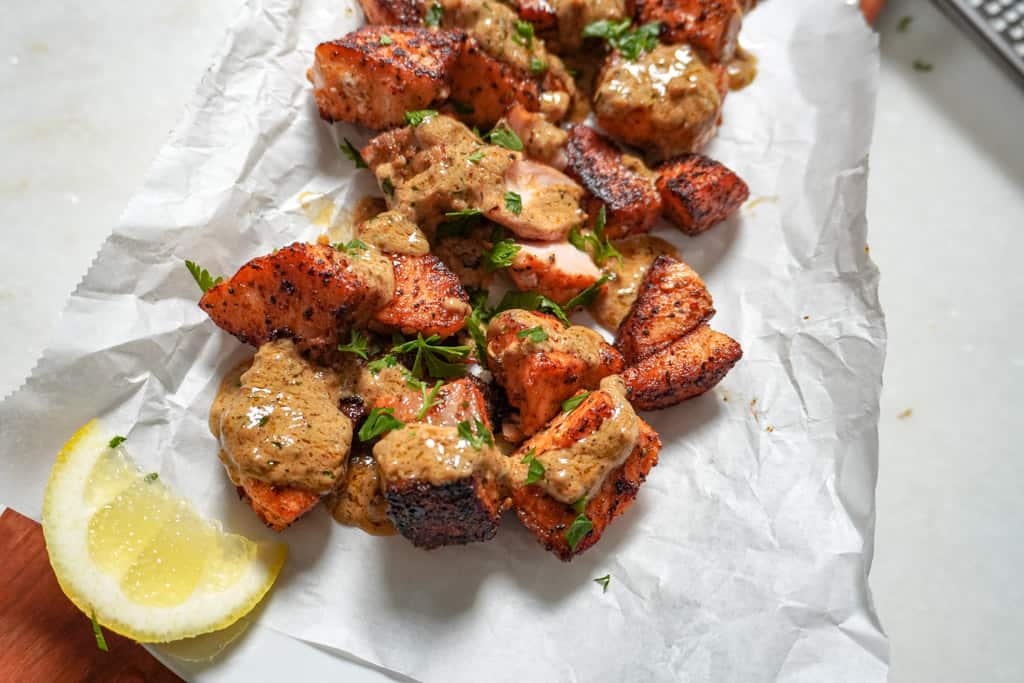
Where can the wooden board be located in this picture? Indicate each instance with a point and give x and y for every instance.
(43, 637)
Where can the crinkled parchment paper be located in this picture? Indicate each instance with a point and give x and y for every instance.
(746, 555)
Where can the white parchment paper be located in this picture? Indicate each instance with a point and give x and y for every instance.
(746, 555)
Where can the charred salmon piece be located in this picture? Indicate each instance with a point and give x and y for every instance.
(711, 26)
(624, 186)
(374, 75)
(557, 270)
(686, 368)
(540, 363)
(548, 519)
(393, 12)
(671, 302)
(428, 298)
(277, 506)
(458, 401)
(302, 291)
(439, 488)
(485, 87)
(699, 192)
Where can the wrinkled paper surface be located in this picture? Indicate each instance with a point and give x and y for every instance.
(746, 555)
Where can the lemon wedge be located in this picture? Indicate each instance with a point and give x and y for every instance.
(127, 550)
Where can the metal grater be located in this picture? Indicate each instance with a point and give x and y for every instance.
(997, 25)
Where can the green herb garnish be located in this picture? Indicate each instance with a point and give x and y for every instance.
(429, 398)
(603, 582)
(388, 361)
(116, 441)
(501, 254)
(476, 439)
(388, 187)
(476, 156)
(534, 334)
(600, 248)
(536, 471)
(152, 476)
(415, 118)
(462, 107)
(434, 14)
(264, 420)
(476, 323)
(101, 642)
(463, 214)
(921, 65)
(434, 359)
(385, 39)
(631, 44)
(503, 136)
(350, 151)
(587, 296)
(358, 344)
(537, 66)
(514, 202)
(580, 527)
(524, 33)
(570, 404)
(202, 276)
(379, 421)
(580, 506)
(904, 24)
(351, 247)
(531, 301)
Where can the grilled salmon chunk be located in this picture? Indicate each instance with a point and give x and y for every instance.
(671, 302)
(375, 74)
(393, 12)
(485, 87)
(686, 368)
(540, 363)
(711, 26)
(699, 192)
(621, 183)
(428, 298)
(302, 291)
(277, 506)
(557, 270)
(548, 519)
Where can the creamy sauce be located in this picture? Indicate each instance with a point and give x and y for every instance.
(359, 502)
(581, 342)
(493, 25)
(579, 469)
(278, 421)
(394, 233)
(638, 253)
(428, 453)
(742, 69)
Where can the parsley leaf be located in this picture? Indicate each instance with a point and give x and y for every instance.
(524, 33)
(603, 582)
(202, 276)
(514, 202)
(503, 136)
(580, 527)
(476, 156)
(476, 323)
(385, 39)
(429, 398)
(921, 65)
(415, 118)
(117, 441)
(350, 247)
(580, 506)
(434, 14)
(570, 404)
(904, 24)
(500, 255)
(536, 471)
(587, 296)
(353, 155)
(531, 301)
(101, 642)
(264, 420)
(606, 28)
(388, 361)
(358, 345)
(388, 187)
(537, 66)
(152, 476)
(463, 214)
(631, 44)
(535, 334)
(478, 439)
(440, 360)
(600, 249)
(379, 421)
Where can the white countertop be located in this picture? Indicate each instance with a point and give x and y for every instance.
(91, 91)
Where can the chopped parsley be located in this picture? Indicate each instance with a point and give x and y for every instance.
(117, 441)
(534, 334)
(600, 248)
(536, 471)
(514, 202)
(264, 420)
(580, 527)
(537, 66)
(101, 642)
(415, 118)
(921, 65)
(350, 247)
(358, 344)
(904, 24)
(476, 323)
(388, 361)
(587, 296)
(152, 476)
(353, 155)
(379, 421)
(503, 136)
(531, 301)
(476, 156)
(434, 14)
(630, 43)
(476, 439)
(524, 33)
(580, 505)
(202, 276)
(603, 582)
(570, 404)
(500, 255)
(385, 39)
(429, 398)
(434, 359)
(388, 187)
(462, 214)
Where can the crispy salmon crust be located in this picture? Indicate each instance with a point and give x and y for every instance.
(428, 298)
(392, 12)
(686, 368)
(697, 192)
(464, 511)
(631, 200)
(375, 74)
(548, 519)
(277, 506)
(489, 86)
(711, 26)
(671, 302)
(302, 291)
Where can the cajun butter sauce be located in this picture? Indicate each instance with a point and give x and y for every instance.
(638, 253)
(742, 69)
(431, 453)
(278, 421)
(359, 501)
(393, 233)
